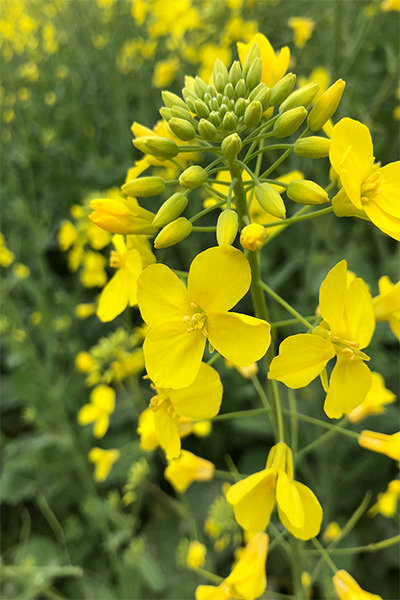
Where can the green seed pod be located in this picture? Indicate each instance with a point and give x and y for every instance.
(144, 187)
(200, 87)
(193, 177)
(325, 106)
(281, 90)
(253, 76)
(312, 147)
(201, 109)
(254, 53)
(220, 75)
(235, 73)
(214, 118)
(289, 121)
(227, 227)
(171, 100)
(229, 90)
(231, 146)
(181, 113)
(173, 233)
(270, 200)
(304, 191)
(253, 114)
(240, 107)
(302, 97)
(161, 147)
(182, 129)
(207, 130)
(229, 121)
(241, 89)
(170, 210)
(165, 113)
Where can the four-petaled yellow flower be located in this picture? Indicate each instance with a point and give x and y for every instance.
(387, 502)
(377, 396)
(254, 497)
(183, 319)
(247, 579)
(347, 588)
(103, 461)
(302, 28)
(381, 442)
(368, 190)
(347, 327)
(183, 471)
(274, 64)
(387, 304)
(196, 556)
(102, 403)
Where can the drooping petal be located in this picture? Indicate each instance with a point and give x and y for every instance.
(161, 296)
(133, 268)
(114, 298)
(332, 296)
(301, 358)
(311, 509)
(387, 223)
(239, 338)
(101, 426)
(253, 499)
(87, 414)
(289, 501)
(218, 278)
(173, 355)
(202, 398)
(248, 579)
(212, 592)
(359, 313)
(166, 425)
(389, 189)
(348, 386)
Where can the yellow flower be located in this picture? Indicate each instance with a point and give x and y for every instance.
(200, 400)
(183, 319)
(164, 72)
(368, 190)
(347, 328)
(348, 589)
(93, 273)
(247, 579)
(123, 216)
(387, 304)
(85, 310)
(182, 471)
(84, 362)
(381, 443)
(21, 271)
(254, 497)
(102, 403)
(303, 28)
(6, 256)
(103, 460)
(318, 75)
(387, 502)
(274, 64)
(388, 5)
(377, 396)
(196, 556)
(332, 531)
(147, 429)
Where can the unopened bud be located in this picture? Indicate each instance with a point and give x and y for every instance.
(144, 187)
(263, 95)
(182, 129)
(181, 113)
(281, 90)
(302, 97)
(171, 100)
(253, 237)
(220, 75)
(312, 147)
(166, 113)
(215, 118)
(227, 227)
(200, 87)
(173, 233)
(193, 177)
(304, 191)
(240, 107)
(270, 200)
(241, 90)
(253, 76)
(253, 114)
(140, 143)
(231, 146)
(235, 73)
(170, 210)
(161, 147)
(201, 109)
(326, 105)
(229, 90)
(289, 121)
(254, 53)
(206, 130)
(229, 121)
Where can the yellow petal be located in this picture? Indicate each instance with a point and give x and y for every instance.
(389, 189)
(212, 592)
(239, 338)
(87, 414)
(202, 398)
(289, 501)
(166, 424)
(359, 313)
(218, 278)
(114, 297)
(172, 355)
(332, 296)
(301, 358)
(101, 426)
(161, 296)
(312, 514)
(253, 499)
(348, 386)
(247, 579)
(384, 221)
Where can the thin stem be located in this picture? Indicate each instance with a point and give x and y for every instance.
(324, 554)
(285, 305)
(271, 147)
(296, 568)
(209, 576)
(372, 547)
(260, 390)
(300, 218)
(207, 229)
(287, 322)
(180, 273)
(321, 440)
(207, 210)
(227, 475)
(238, 414)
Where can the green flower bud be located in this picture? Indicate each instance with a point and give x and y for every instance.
(181, 113)
(312, 147)
(166, 113)
(171, 100)
(200, 87)
(161, 147)
(220, 75)
(241, 89)
(140, 143)
(223, 110)
(231, 104)
(229, 90)
(173, 233)
(302, 97)
(144, 187)
(227, 227)
(170, 210)
(207, 98)
(188, 93)
(326, 105)
(231, 146)
(219, 82)
(215, 118)
(253, 114)
(254, 53)
(281, 90)
(207, 130)
(182, 129)
(254, 92)
(289, 121)
(304, 191)
(240, 107)
(214, 104)
(262, 93)
(201, 109)
(190, 104)
(270, 200)
(225, 100)
(210, 90)
(253, 76)
(235, 72)
(193, 177)
(220, 98)
(229, 121)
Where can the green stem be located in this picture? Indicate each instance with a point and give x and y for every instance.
(372, 547)
(206, 229)
(207, 210)
(287, 322)
(321, 440)
(237, 414)
(324, 554)
(299, 219)
(227, 475)
(209, 576)
(296, 568)
(285, 305)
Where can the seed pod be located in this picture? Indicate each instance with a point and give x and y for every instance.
(312, 147)
(173, 233)
(201, 109)
(253, 114)
(289, 121)
(144, 187)
(253, 237)
(302, 97)
(227, 227)
(171, 100)
(170, 210)
(231, 146)
(304, 191)
(161, 147)
(193, 177)
(253, 76)
(206, 130)
(182, 129)
(281, 90)
(270, 200)
(326, 105)
(235, 72)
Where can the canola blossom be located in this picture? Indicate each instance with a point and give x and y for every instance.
(183, 471)
(99, 409)
(347, 588)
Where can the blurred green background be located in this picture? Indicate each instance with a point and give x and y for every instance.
(75, 75)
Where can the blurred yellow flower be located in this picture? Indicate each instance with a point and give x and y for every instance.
(387, 304)
(332, 531)
(303, 28)
(386, 504)
(93, 273)
(388, 5)
(375, 400)
(20, 270)
(183, 471)
(6, 256)
(196, 555)
(103, 461)
(84, 362)
(381, 443)
(102, 403)
(348, 589)
(85, 310)
(164, 72)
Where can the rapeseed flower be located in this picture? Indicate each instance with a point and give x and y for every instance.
(183, 471)
(196, 555)
(181, 319)
(375, 400)
(93, 273)
(123, 216)
(368, 190)
(381, 443)
(254, 497)
(103, 461)
(247, 579)
(348, 589)
(386, 504)
(101, 405)
(6, 255)
(302, 28)
(387, 304)
(347, 327)
(274, 64)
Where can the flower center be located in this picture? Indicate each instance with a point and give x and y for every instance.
(162, 401)
(196, 321)
(370, 188)
(117, 259)
(347, 347)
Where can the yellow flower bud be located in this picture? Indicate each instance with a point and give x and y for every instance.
(84, 362)
(302, 97)
(231, 146)
(312, 147)
(117, 216)
(161, 147)
(253, 236)
(173, 233)
(304, 191)
(193, 177)
(281, 90)
(171, 100)
(253, 114)
(227, 227)
(270, 200)
(144, 187)
(182, 129)
(289, 121)
(170, 210)
(326, 105)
